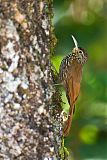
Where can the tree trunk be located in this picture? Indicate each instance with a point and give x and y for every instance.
(30, 113)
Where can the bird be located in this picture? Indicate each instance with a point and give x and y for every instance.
(70, 74)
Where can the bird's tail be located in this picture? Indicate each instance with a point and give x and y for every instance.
(69, 121)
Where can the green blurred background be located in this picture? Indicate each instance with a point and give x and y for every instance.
(87, 21)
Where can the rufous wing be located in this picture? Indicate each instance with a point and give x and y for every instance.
(72, 91)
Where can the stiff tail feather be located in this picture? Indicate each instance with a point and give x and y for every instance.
(69, 121)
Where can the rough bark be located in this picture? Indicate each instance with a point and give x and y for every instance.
(30, 116)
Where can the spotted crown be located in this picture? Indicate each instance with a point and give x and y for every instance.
(80, 55)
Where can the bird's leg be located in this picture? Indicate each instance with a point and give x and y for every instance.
(58, 84)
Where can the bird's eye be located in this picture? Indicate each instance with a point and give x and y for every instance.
(80, 51)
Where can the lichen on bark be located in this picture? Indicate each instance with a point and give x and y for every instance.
(30, 118)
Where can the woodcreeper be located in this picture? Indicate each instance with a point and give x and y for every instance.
(70, 74)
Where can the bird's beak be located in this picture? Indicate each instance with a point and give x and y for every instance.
(75, 42)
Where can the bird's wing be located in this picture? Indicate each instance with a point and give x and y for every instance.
(72, 92)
